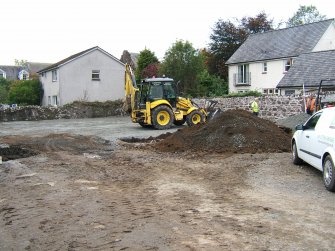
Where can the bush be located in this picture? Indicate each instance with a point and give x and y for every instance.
(27, 92)
(244, 94)
(4, 90)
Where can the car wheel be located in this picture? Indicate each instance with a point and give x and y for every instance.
(329, 173)
(295, 158)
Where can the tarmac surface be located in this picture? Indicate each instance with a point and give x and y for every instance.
(110, 128)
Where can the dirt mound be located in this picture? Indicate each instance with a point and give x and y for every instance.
(235, 131)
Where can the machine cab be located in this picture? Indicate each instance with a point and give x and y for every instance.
(153, 89)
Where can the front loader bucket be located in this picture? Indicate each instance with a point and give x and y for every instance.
(213, 113)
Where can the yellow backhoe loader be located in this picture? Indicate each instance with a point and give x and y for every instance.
(154, 103)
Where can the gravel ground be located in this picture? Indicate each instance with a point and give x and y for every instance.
(83, 193)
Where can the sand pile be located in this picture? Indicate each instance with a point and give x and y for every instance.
(235, 131)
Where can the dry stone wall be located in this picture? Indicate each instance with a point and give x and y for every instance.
(71, 111)
(271, 107)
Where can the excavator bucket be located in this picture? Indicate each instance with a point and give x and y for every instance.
(212, 110)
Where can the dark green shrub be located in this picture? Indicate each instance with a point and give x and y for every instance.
(26, 92)
(4, 90)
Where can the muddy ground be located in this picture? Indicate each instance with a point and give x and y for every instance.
(84, 193)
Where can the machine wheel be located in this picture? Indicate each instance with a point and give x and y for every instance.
(329, 173)
(162, 117)
(295, 158)
(195, 117)
(179, 122)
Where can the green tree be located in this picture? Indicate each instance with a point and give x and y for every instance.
(211, 85)
(4, 90)
(183, 63)
(21, 62)
(26, 92)
(145, 59)
(227, 37)
(305, 15)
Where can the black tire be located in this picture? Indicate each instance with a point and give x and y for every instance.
(179, 122)
(329, 173)
(162, 117)
(295, 158)
(195, 117)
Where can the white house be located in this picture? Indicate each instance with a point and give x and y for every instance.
(90, 75)
(265, 58)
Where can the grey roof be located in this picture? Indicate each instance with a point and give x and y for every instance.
(34, 67)
(12, 72)
(309, 69)
(283, 43)
(74, 56)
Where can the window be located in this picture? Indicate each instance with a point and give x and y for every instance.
(265, 67)
(2, 74)
(95, 74)
(289, 92)
(49, 100)
(54, 75)
(23, 75)
(243, 74)
(288, 64)
(54, 100)
(313, 121)
(271, 91)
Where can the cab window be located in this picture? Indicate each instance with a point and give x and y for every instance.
(156, 92)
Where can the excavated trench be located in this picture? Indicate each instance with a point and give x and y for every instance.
(15, 152)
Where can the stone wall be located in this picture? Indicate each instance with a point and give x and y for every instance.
(74, 110)
(271, 107)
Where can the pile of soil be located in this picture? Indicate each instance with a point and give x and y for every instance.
(236, 131)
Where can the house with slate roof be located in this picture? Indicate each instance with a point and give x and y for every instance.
(26, 72)
(90, 75)
(264, 59)
(308, 71)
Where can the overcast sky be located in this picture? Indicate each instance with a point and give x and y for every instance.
(50, 30)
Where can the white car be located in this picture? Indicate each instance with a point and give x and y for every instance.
(314, 143)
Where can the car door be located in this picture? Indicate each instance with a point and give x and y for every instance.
(309, 145)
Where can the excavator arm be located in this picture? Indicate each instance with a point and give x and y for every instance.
(130, 87)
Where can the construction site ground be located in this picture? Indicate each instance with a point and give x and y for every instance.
(74, 185)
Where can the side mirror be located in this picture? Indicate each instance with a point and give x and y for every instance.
(299, 127)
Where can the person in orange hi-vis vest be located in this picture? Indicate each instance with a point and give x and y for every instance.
(310, 105)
